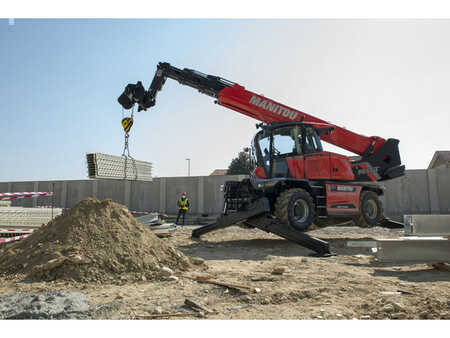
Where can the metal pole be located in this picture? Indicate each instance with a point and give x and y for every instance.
(53, 197)
(189, 166)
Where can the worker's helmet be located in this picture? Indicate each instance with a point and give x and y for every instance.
(183, 194)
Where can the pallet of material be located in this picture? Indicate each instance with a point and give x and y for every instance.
(104, 166)
(18, 216)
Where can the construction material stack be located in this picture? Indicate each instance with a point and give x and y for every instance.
(104, 166)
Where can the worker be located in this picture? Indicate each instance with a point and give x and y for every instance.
(183, 206)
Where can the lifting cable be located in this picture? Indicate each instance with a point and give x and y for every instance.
(127, 123)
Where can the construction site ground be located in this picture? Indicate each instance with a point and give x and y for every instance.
(347, 286)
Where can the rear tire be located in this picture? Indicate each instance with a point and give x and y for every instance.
(296, 208)
(371, 210)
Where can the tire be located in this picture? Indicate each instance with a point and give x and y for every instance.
(371, 210)
(296, 208)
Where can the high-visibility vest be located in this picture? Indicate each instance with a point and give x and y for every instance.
(183, 204)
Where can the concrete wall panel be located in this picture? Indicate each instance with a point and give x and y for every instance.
(418, 192)
(76, 191)
(443, 188)
(175, 186)
(113, 189)
(22, 187)
(213, 195)
(57, 193)
(144, 196)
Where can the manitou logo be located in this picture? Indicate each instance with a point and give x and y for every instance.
(273, 107)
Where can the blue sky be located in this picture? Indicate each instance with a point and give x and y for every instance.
(61, 78)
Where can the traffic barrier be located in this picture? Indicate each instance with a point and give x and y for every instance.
(12, 239)
(18, 195)
(26, 230)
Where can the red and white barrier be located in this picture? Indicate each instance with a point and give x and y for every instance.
(17, 195)
(24, 231)
(12, 239)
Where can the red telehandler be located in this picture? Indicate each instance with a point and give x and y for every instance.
(295, 183)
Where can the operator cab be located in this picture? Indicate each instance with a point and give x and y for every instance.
(277, 147)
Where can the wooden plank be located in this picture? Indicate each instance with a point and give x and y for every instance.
(441, 266)
(165, 315)
(208, 279)
(224, 284)
(196, 305)
(163, 234)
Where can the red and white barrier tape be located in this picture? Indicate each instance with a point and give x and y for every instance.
(24, 231)
(12, 239)
(17, 195)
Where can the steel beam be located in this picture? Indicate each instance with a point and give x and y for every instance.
(414, 250)
(427, 225)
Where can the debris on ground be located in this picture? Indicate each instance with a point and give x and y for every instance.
(278, 270)
(95, 241)
(45, 305)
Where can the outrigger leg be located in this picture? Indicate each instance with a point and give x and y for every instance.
(257, 215)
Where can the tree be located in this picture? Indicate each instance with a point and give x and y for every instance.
(240, 165)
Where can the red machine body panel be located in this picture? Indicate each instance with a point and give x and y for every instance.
(342, 199)
(259, 172)
(341, 168)
(296, 166)
(317, 166)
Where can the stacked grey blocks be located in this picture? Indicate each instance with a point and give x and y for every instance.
(106, 166)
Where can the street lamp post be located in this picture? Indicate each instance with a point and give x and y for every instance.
(189, 166)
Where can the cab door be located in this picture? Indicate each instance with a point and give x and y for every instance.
(287, 157)
(317, 161)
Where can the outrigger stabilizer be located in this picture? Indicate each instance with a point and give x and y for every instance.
(258, 216)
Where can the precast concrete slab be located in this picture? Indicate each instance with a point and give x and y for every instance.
(414, 250)
(362, 244)
(17, 216)
(117, 167)
(427, 225)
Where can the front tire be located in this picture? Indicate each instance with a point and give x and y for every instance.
(296, 208)
(371, 210)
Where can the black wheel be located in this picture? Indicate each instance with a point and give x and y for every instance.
(296, 208)
(371, 210)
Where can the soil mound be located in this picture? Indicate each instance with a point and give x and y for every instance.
(93, 241)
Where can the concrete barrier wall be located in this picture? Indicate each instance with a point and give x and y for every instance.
(418, 192)
(159, 195)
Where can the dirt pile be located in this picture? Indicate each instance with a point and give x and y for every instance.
(93, 241)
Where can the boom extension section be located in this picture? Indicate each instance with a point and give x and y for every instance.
(206, 84)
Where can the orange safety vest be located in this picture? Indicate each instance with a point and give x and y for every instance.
(183, 204)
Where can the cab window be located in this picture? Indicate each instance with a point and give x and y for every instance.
(312, 141)
(287, 141)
